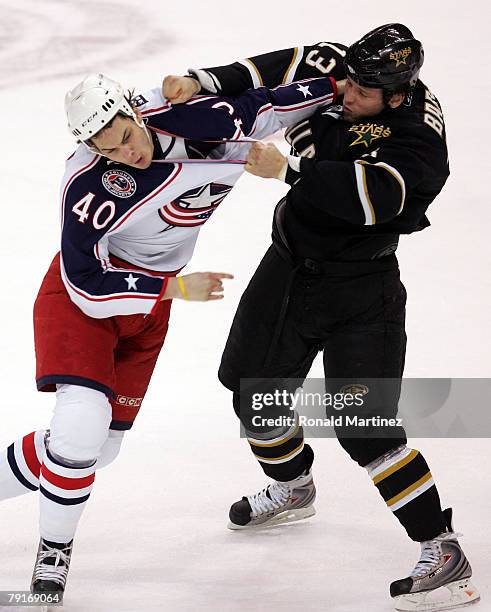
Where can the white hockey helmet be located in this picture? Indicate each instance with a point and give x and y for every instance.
(91, 105)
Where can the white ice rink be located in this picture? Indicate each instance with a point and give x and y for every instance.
(153, 536)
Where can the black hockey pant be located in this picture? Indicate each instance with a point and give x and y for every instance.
(354, 313)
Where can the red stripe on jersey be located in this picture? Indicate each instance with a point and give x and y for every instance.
(334, 87)
(70, 180)
(295, 82)
(117, 262)
(69, 484)
(161, 296)
(200, 160)
(156, 110)
(177, 171)
(172, 209)
(306, 105)
(262, 110)
(159, 131)
(176, 223)
(29, 452)
(196, 99)
(125, 296)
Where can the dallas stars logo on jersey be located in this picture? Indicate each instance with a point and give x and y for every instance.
(368, 132)
(194, 207)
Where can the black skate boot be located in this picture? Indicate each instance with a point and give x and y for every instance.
(279, 502)
(51, 568)
(441, 578)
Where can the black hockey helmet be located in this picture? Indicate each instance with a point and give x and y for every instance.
(388, 57)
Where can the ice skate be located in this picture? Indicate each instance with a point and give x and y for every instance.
(51, 568)
(278, 503)
(441, 580)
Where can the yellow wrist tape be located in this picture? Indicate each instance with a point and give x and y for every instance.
(182, 287)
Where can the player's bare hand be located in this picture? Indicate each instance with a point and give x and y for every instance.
(265, 160)
(179, 89)
(197, 287)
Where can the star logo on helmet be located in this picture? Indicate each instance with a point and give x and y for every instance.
(401, 56)
(367, 133)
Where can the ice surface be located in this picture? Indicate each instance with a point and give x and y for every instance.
(153, 536)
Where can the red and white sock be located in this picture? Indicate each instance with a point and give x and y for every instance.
(65, 489)
(20, 464)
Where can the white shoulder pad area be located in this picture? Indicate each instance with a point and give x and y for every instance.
(152, 98)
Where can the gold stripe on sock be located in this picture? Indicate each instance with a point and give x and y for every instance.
(409, 490)
(273, 459)
(397, 466)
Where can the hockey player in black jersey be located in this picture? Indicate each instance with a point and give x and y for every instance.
(361, 174)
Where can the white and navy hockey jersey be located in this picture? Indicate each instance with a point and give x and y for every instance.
(151, 218)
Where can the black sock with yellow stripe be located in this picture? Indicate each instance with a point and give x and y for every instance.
(284, 455)
(405, 482)
(274, 434)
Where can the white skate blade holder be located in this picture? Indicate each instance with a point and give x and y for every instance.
(452, 596)
(288, 516)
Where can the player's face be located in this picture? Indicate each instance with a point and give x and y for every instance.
(125, 142)
(361, 102)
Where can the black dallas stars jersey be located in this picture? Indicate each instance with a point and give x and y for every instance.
(359, 185)
(272, 69)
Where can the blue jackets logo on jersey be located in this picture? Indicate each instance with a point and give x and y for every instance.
(138, 100)
(119, 183)
(196, 206)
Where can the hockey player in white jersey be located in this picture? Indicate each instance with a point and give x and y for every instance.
(144, 179)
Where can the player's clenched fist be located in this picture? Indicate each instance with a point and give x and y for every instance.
(265, 160)
(197, 287)
(179, 89)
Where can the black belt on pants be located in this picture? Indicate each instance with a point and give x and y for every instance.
(311, 266)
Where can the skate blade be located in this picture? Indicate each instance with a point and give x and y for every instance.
(462, 593)
(288, 516)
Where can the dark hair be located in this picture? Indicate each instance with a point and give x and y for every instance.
(405, 89)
